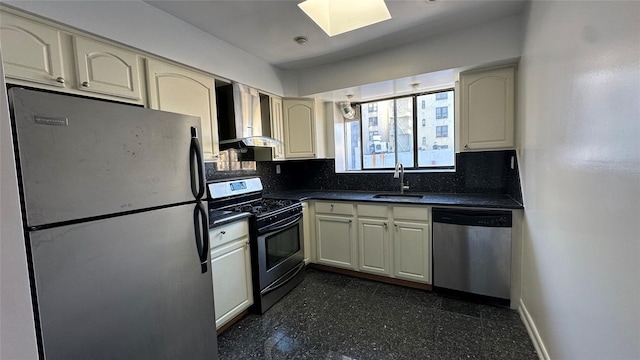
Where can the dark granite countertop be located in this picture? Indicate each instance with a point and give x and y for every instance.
(498, 201)
(221, 217)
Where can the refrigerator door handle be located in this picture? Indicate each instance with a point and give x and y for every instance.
(202, 235)
(197, 173)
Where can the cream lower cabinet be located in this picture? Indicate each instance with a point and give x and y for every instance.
(306, 231)
(411, 250)
(389, 240)
(231, 270)
(180, 90)
(336, 239)
(373, 239)
(411, 243)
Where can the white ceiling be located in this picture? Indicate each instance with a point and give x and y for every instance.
(266, 28)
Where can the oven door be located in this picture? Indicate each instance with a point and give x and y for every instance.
(280, 249)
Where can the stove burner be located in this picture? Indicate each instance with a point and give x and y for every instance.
(263, 206)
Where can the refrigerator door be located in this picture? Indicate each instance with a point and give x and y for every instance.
(126, 287)
(81, 158)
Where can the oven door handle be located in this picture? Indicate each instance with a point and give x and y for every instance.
(277, 227)
(282, 281)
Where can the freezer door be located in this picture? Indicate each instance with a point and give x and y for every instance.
(81, 158)
(127, 287)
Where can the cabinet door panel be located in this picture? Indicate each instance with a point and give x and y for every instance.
(175, 89)
(299, 129)
(31, 51)
(374, 246)
(106, 69)
(487, 109)
(336, 241)
(277, 126)
(231, 272)
(412, 249)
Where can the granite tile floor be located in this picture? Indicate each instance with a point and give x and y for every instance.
(333, 316)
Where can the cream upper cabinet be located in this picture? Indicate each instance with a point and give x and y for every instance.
(304, 128)
(176, 89)
(487, 106)
(277, 126)
(299, 128)
(106, 69)
(31, 51)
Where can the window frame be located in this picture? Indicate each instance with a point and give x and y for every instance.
(416, 139)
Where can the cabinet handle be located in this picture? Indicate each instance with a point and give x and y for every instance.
(223, 232)
(85, 84)
(466, 146)
(60, 79)
(385, 226)
(331, 207)
(350, 222)
(395, 226)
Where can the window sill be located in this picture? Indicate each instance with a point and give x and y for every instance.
(391, 171)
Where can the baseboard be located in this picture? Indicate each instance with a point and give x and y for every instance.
(533, 332)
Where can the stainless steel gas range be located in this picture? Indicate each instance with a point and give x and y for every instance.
(277, 253)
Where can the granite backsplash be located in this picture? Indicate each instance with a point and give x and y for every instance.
(487, 172)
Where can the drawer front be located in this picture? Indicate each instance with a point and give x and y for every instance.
(372, 211)
(223, 234)
(334, 208)
(420, 213)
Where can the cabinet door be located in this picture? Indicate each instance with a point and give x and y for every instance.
(487, 109)
(231, 272)
(106, 69)
(373, 240)
(277, 130)
(336, 244)
(175, 89)
(412, 250)
(31, 51)
(299, 128)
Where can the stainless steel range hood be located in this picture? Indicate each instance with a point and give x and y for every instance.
(240, 122)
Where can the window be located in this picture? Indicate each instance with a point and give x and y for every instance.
(442, 112)
(399, 130)
(442, 131)
(441, 96)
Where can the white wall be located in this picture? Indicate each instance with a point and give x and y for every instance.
(497, 41)
(579, 125)
(17, 334)
(140, 25)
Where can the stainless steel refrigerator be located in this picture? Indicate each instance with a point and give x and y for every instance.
(116, 232)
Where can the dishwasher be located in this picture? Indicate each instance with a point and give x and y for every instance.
(472, 251)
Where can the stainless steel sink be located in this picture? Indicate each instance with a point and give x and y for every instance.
(397, 196)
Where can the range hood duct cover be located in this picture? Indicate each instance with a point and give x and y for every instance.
(240, 118)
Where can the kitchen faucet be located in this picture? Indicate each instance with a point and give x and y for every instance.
(400, 173)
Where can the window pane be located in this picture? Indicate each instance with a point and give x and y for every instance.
(404, 131)
(439, 147)
(352, 140)
(378, 135)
